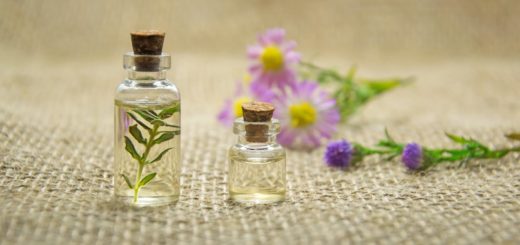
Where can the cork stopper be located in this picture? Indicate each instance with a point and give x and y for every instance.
(148, 44)
(257, 112)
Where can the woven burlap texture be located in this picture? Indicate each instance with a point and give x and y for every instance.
(56, 168)
(61, 61)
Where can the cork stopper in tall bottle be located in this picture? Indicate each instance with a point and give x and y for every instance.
(147, 44)
(257, 112)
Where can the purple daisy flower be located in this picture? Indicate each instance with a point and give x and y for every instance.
(307, 116)
(339, 154)
(232, 107)
(412, 156)
(272, 61)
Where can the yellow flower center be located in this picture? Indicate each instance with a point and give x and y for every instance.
(302, 115)
(237, 105)
(272, 58)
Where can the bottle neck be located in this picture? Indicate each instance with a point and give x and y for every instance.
(146, 68)
(146, 76)
(256, 134)
(256, 141)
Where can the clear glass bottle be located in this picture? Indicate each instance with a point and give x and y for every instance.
(256, 171)
(147, 133)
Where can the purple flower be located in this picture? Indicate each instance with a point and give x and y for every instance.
(307, 116)
(412, 156)
(231, 110)
(339, 154)
(232, 107)
(272, 61)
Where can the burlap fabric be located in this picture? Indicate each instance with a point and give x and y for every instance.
(56, 113)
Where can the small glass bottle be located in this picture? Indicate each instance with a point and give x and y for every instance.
(147, 127)
(256, 162)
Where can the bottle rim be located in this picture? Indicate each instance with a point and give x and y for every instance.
(147, 63)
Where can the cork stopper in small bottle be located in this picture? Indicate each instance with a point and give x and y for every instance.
(257, 112)
(147, 44)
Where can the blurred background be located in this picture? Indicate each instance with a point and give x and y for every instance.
(61, 60)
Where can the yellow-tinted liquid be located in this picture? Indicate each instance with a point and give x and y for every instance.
(256, 179)
(164, 188)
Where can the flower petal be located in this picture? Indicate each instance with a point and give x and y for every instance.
(254, 52)
(275, 35)
(288, 46)
(286, 137)
(225, 116)
(292, 57)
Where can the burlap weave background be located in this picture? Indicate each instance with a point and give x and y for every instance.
(61, 60)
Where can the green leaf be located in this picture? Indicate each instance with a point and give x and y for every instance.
(364, 94)
(164, 137)
(498, 154)
(468, 143)
(157, 122)
(138, 121)
(388, 137)
(166, 113)
(381, 86)
(127, 180)
(176, 132)
(158, 158)
(513, 136)
(129, 146)
(136, 133)
(457, 139)
(351, 73)
(171, 125)
(151, 112)
(147, 179)
(160, 123)
(390, 145)
(147, 115)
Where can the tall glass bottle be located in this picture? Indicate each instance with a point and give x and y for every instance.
(147, 128)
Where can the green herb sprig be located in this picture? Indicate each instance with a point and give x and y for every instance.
(158, 131)
(469, 149)
(351, 92)
(414, 156)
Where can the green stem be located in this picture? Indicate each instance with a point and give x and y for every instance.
(142, 162)
(150, 143)
(136, 185)
(368, 151)
(515, 149)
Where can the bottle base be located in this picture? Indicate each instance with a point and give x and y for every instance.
(148, 201)
(257, 198)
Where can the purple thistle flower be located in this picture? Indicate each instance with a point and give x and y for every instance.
(412, 156)
(339, 154)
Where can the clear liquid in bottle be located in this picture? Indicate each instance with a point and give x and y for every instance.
(147, 153)
(257, 177)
